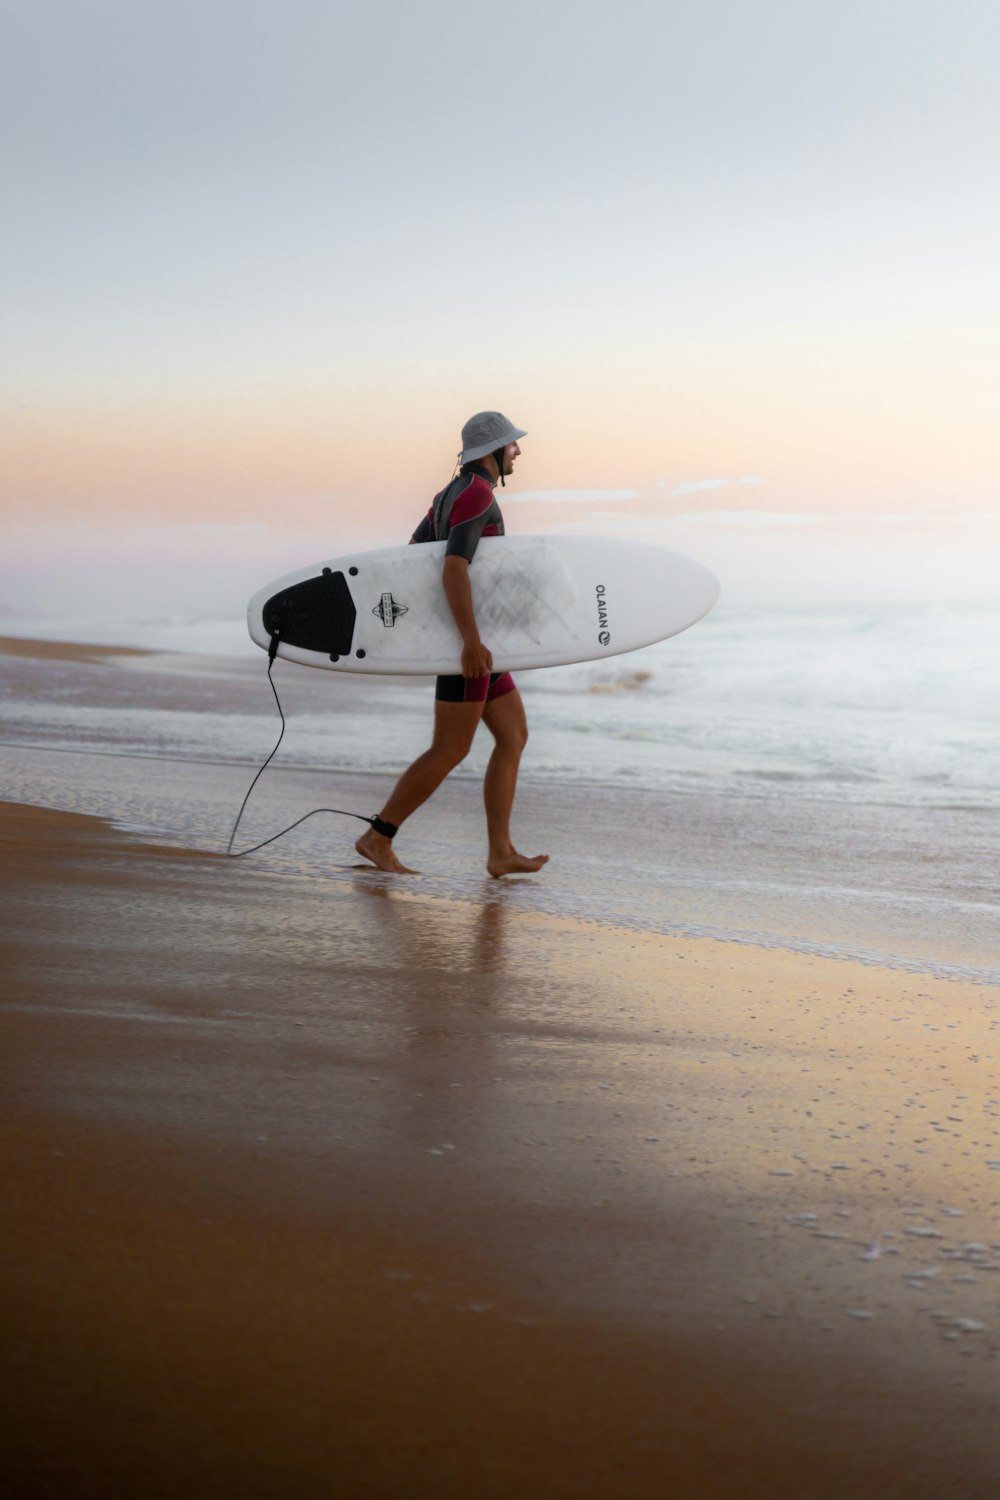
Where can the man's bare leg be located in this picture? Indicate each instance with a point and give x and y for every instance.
(505, 719)
(455, 725)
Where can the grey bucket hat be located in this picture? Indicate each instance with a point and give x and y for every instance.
(485, 433)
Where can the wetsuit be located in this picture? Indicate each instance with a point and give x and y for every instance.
(461, 513)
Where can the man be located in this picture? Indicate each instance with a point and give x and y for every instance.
(465, 510)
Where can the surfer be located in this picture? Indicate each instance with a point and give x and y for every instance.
(465, 510)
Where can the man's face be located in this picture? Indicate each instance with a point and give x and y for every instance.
(509, 454)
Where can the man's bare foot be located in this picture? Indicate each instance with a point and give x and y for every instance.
(377, 848)
(515, 864)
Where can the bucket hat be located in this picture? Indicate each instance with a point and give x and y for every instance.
(485, 433)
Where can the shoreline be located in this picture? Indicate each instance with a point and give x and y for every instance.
(42, 649)
(173, 736)
(335, 1183)
(296, 857)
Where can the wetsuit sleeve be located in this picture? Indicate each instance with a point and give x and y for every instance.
(471, 514)
(425, 531)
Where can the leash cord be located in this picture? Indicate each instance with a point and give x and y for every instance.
(337, 811)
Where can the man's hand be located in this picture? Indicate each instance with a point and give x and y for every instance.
(477, 661)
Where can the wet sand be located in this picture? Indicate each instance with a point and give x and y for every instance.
(27, 646)
(321, 1188)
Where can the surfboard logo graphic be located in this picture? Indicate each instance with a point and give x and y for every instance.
(388, 611)
(603, 634)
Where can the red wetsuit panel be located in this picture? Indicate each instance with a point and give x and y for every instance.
(461, 513)
(474, 514)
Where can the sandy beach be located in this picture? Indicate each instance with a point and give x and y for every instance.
(72, 651)
(338, 1188)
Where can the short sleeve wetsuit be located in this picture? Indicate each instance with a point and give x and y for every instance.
(461, 513)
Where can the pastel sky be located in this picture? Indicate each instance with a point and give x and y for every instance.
(733, 259)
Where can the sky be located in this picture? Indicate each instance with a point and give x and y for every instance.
(732, 264)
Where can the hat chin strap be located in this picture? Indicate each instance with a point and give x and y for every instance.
(498, 456)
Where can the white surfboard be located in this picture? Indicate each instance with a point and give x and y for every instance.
(540, 601)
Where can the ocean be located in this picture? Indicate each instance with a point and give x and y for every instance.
(826, 779)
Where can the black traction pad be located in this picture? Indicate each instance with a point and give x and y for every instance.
(317, 615)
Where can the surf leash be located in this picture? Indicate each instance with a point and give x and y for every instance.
(380, 826)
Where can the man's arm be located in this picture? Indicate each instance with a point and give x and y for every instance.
(425, 531)
(477, 661)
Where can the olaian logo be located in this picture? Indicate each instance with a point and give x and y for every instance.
(603, 634)
(388, 611)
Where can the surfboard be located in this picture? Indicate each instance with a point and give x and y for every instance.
(540, 601)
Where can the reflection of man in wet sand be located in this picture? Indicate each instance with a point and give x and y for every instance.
(465, 510)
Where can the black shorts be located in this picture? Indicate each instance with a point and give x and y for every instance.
(474, 689)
